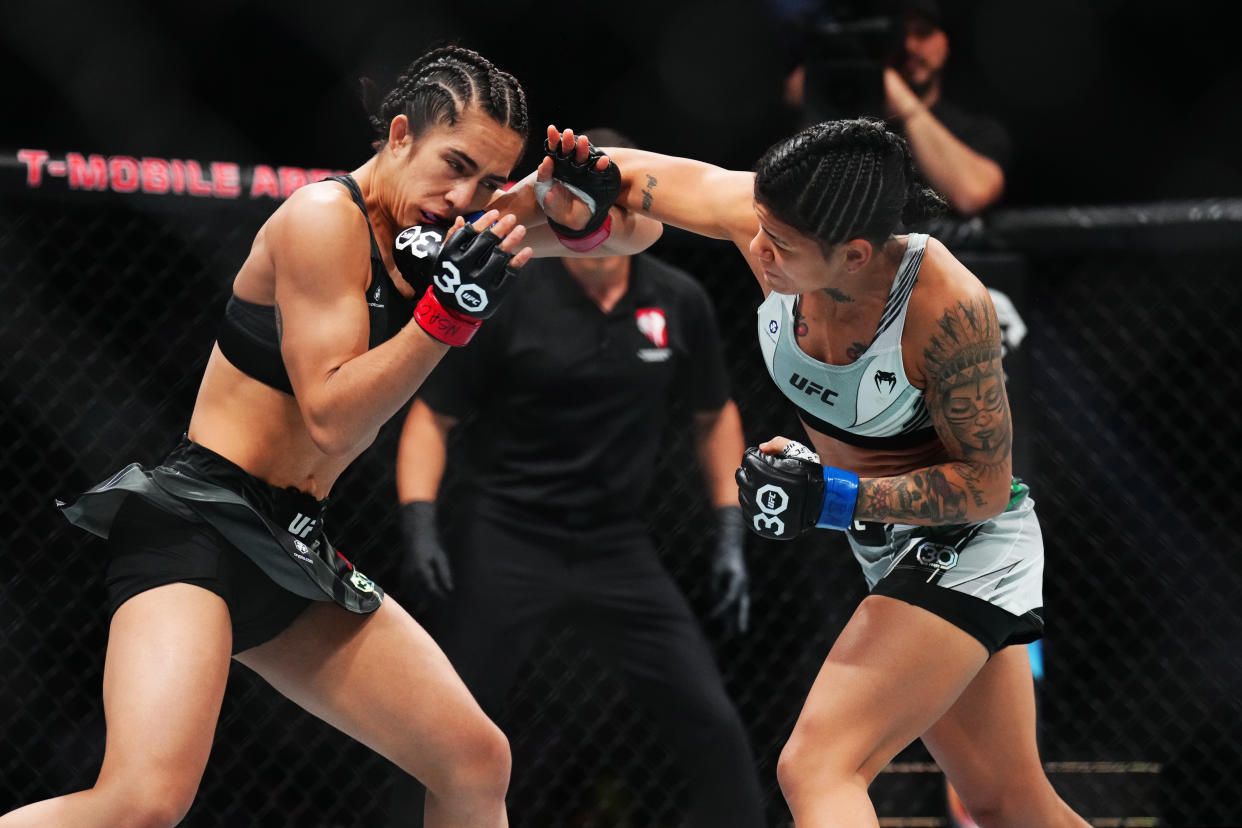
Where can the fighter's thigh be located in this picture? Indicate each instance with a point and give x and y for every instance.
(379, 678)
(894, 670)
(986, 741)
(164, 677)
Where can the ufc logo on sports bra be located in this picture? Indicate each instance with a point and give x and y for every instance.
(812, 389)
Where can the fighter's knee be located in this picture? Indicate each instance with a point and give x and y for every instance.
(813, 761)
(481, 766)
(493, 759)
(795, 766)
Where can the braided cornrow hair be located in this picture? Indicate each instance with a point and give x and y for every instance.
(442, 84)
(842, 180)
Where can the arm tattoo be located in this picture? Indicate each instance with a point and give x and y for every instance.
(924, 494)
(966, 392)
(280, 327)
(966, 401)
(648, 196)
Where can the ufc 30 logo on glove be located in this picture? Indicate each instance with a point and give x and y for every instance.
(422, 242)
(469, 275)
(783, 495)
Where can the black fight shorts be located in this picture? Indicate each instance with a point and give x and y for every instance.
(149, 548)
(198, 518)
(984, 578)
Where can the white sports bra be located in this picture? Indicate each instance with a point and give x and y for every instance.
(868, 403)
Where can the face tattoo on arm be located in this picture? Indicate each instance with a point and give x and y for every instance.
(966, 387)
(966, 398)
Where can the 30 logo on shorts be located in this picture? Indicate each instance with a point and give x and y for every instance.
(936, 555)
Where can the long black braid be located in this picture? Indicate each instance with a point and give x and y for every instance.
(442, 84)
(842, 180)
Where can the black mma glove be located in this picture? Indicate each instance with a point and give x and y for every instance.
(415, 251)
(784, 495)
(598, 189)
(423, 564)
(730, 581)
(469, 275)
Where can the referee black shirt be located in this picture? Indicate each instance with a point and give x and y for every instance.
(562, 406)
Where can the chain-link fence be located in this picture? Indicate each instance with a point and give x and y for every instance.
(1128, 399)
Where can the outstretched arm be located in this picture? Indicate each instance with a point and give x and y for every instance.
(630, 232)
(693, 195)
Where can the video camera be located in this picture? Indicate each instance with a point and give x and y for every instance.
(844, 59)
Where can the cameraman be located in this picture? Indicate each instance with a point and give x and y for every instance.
(962, 155)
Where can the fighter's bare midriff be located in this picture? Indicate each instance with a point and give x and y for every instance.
(262, 430)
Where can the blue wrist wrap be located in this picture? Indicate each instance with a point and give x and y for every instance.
(840, 495)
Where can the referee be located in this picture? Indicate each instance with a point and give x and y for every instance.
(559, 405)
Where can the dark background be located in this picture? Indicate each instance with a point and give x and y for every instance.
(1134, 347)
(1108, 101)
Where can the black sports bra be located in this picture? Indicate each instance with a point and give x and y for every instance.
(247, 334)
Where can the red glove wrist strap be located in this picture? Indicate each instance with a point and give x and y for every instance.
(590, 242)
(440, 323)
